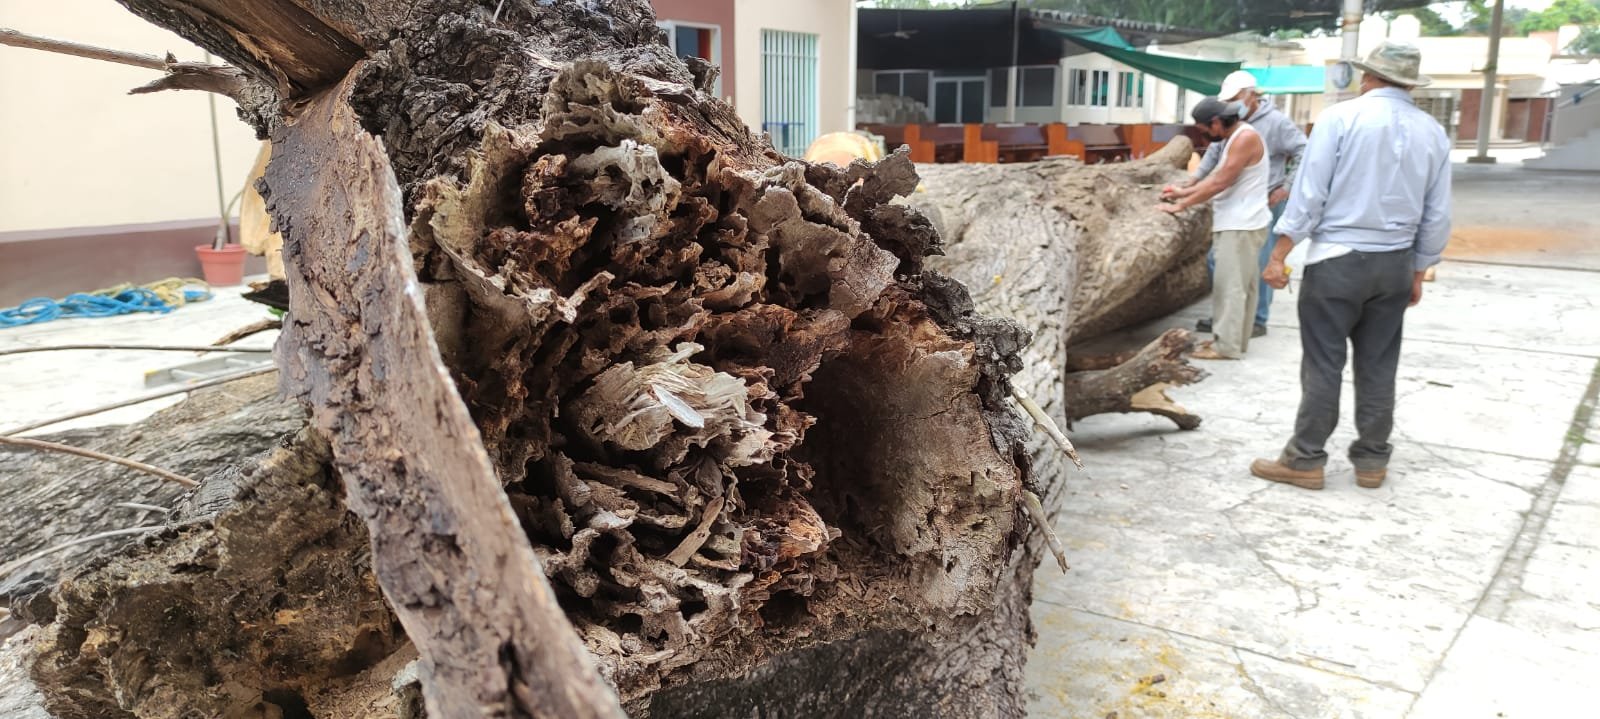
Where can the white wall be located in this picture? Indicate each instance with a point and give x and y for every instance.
(76, 150)
(833, 21)
(1109, 113)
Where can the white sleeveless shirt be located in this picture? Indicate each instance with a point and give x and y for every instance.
(1243, 206)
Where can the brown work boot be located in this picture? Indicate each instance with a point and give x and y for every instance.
(1275, 471)
(1371, 478)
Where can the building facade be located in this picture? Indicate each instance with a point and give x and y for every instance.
(787, 65)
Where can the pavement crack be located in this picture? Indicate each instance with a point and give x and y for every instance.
(1508, 577)
(1254, 687)
(1301, 606)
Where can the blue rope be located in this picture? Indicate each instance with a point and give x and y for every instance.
(128, 301)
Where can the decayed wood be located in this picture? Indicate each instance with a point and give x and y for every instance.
(1139, 383)
(446, 547)
(278, 41)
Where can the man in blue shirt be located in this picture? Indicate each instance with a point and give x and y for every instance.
(1373, 197)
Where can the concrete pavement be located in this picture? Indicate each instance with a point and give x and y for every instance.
(1468, 586)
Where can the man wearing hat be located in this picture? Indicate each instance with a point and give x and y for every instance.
(1239, 217)
(1373, 197)
(1285, 143)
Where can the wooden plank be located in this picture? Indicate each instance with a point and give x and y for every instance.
(358, 350)
(1060, 145)
(976, 149)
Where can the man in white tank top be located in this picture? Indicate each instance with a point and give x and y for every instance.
(1237, 190)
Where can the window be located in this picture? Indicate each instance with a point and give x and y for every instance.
(1078, 92)
(1100, 88)
(1036, 86)
(789, 89)
(905, 83)
(959, 99)
(691, 40)
(1130, 89)
(1089, 87)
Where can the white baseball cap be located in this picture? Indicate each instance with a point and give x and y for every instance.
(1235, 83)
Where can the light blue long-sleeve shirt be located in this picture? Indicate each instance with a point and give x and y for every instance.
(1375, 178)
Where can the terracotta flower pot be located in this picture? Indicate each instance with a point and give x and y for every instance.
(221, 268)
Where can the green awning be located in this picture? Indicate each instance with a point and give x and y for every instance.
(1203, 76)
(1289, 79)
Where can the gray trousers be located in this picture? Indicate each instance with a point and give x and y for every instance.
(1361, 298)
(1234, 287)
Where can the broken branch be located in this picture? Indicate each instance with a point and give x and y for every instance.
(140, 400)
(1043, 422)
(64, 47)
(22, 561)
(151, 348)
(254, 328)
(1040, 520)
(43, 446)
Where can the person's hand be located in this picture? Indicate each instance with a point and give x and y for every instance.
(1170, 208)
(1276, 275)
(1169, 192)
(1277, 196)
(1416, 289)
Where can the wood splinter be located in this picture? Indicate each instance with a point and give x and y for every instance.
(1043, 422)
(698, 537)
(1040, 520)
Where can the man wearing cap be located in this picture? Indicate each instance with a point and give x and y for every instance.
(1373, 197)
(1285, 143)
(1239, 216)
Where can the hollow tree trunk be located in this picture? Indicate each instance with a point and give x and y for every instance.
(549, 299)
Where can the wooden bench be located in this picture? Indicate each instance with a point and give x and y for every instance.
(1017, 143)
(1101, 143)
(936, 143)
(1144, 139)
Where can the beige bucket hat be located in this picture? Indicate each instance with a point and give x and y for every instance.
(1398, 62)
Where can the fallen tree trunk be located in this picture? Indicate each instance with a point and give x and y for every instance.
(1072, 251)
(550, 300)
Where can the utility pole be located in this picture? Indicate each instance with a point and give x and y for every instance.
(1341, 75)
(1489, 98)
(1350, 30)
(1012, 72)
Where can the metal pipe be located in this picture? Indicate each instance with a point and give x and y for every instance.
(224, 232)
(1487, 101)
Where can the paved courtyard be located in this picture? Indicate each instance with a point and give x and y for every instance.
(1467, 587)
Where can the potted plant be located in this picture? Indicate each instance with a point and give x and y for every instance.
(222, 261)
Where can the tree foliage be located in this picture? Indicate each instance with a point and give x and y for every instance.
(1563, 12)
(1588, 42)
